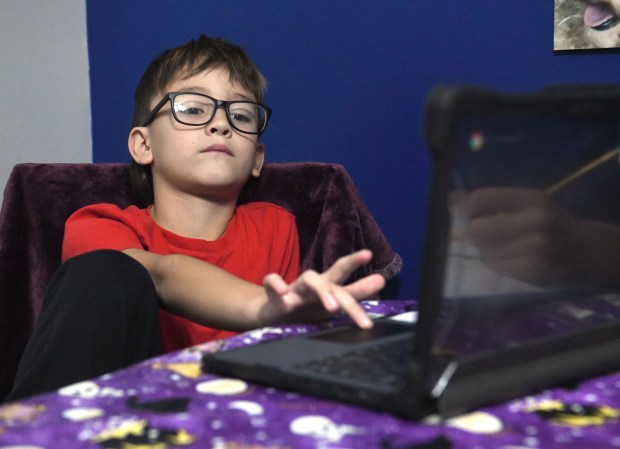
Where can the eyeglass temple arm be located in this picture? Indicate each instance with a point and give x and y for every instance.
(155, 110)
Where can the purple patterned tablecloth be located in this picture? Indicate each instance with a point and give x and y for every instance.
(167, 402)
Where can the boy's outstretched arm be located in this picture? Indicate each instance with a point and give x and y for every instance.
(213, 297)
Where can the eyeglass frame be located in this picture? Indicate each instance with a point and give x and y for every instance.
(170, 96)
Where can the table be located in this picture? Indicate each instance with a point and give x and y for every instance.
(167, 402)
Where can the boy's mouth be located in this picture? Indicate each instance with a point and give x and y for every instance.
(217, 148)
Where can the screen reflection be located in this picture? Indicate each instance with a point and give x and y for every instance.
(534, 243)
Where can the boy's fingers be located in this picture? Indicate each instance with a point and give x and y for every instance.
(273, 282)
(366, 287)
(335, 298)
(314, 284)
(275, 309)
(352, 308)
(345, 266)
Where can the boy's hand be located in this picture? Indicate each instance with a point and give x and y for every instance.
(290, 302)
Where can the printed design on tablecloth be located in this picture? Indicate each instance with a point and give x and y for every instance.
(21, 446)
(322, 428)
(135, 434)
(222, 444)
(90, 390)
(438, 442)
(251, 408)
(190, 370)
(574, 415)
(477, 422)
(169, 405)
(17, 413)
(82, 413)
(222, 387)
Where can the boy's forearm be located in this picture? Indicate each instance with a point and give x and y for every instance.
(203, 292)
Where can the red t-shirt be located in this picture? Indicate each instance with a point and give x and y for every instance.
(261, 238)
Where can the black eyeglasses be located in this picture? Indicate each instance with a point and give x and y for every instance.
(198, 109)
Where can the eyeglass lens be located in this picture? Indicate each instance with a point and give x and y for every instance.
(244, 116)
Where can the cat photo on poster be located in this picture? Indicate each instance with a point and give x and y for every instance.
(586, 24)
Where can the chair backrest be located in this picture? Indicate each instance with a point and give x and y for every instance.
(331, 217)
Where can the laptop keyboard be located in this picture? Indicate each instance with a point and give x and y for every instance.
(383, 364)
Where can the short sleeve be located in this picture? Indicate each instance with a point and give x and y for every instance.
(289, 239)
(100, 226)
(290, 257)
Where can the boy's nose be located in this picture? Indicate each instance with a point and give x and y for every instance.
(219, 124)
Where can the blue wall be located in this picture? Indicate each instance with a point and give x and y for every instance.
(347, 79)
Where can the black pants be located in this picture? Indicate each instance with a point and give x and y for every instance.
(100, 314)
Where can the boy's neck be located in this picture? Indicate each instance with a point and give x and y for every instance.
(192, 216)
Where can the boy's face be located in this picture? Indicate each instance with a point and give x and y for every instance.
(209, 160)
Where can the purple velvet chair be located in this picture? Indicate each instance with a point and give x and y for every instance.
(331, 217)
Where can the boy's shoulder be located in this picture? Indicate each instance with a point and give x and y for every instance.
(263, 211)
(263, 207)
(106, 210)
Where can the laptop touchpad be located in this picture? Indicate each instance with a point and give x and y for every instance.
(353, 335)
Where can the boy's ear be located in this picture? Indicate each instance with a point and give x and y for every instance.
(139, 147)
(259, 160)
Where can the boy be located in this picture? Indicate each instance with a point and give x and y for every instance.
(215, 268)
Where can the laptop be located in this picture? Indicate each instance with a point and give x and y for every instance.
(519, 288)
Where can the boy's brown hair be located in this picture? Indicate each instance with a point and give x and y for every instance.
(183, 62)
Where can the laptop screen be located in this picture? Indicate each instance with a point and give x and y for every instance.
(533, 242)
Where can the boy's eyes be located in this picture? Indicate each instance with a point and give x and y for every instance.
(240, 113)
(193, 108)
(241, 118)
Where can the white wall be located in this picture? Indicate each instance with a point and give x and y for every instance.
(44, 83)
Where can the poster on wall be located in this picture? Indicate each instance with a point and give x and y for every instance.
(586, 24)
